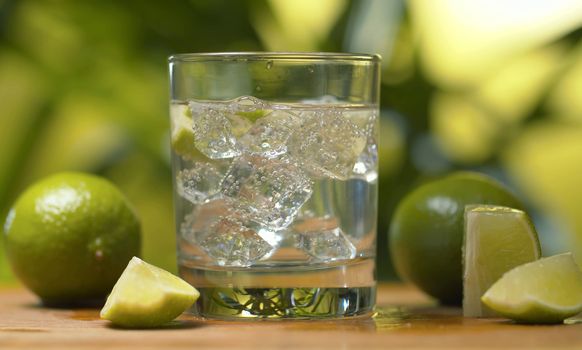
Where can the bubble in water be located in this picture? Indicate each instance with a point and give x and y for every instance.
(215, 129)
(268, 136)
(327, 144)
(218, 125)
(269, 64)
(199, 182)
(247, 104)
(227, 236)
(231, 243)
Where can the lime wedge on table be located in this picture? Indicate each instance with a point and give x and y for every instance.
(548, 290)
(497, 239)
(147, 296)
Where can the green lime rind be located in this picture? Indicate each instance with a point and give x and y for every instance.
(146, 296)
(69, 236)
(496, 240)
(545, 291)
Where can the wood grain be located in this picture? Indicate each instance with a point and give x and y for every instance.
(405, 319)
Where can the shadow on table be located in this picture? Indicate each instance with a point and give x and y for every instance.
(174, 325)
(96, 304)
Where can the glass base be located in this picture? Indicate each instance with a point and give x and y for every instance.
(284, 303)
(324, 291)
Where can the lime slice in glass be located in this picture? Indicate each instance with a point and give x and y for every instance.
(548, 290)
(497, 239)
(146, 296)
(182, 139)
(252, 116)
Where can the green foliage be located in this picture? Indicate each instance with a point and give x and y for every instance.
(84, 86)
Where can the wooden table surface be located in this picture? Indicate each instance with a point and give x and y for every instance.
(404, 319)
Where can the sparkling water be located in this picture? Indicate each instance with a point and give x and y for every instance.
(276, 205)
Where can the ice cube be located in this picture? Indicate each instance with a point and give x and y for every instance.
(199, 182)
(327, 144)
(227, 236)
(367, 162)
(231, 243)
(197, 224)
(323, 239)
(216, 127)
(269, 134)
(270, 191)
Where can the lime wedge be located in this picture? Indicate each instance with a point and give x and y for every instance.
(548, 290)
(182, 140)
(146, 296)
(497, 239)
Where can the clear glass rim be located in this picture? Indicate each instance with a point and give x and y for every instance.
(263, 56)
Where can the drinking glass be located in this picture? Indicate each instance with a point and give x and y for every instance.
(275, 169)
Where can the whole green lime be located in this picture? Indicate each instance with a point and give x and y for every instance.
(426, 233)
(69, 237)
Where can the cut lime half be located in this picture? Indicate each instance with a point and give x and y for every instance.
(497, 239)
(146, 296)
(548, 290)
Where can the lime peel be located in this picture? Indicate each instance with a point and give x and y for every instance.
(548, 290)
(69, 236)
(146, 296)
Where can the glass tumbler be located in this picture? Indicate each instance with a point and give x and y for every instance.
(275, 169)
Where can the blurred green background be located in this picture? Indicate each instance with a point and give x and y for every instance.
(492, 86)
